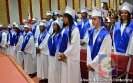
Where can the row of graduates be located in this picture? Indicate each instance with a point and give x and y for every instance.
(58, 53)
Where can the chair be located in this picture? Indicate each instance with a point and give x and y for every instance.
(83, 66)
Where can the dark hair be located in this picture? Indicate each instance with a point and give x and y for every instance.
(128, 19)
(58, 30)
(70, 20)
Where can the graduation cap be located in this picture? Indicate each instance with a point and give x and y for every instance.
(98, 12)
(34, 18)
(59, 22)
(70, 11)
(49, 13)
(1, 25)
(84, 9)
(57, 12)
(43, 23)
(27, 25)
(25, 21)
(126, 6)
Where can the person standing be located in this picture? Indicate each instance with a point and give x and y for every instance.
(54, 65)
(28, 47)
(42, 53)
(83, 26)
(123, 31)
(99, 42)
(3, 39)
(69, 49)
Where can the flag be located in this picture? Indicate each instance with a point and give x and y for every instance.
(107, 65)
(29, 16)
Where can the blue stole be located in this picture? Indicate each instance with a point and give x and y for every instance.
(53, 45)
(17, 38)
(1, 36)
(40, 39)
(63, 42)
(96, 47)
(12, 38)
(26, 40)
(49, 24)
(85, 27)
(121, 42)
(34, 28)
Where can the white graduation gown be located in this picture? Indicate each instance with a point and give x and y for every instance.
(54, 68)
(37, 32)
(3, 42)
(84, 40)
(58, 66)
(129, 50)
(71, 68)
(105, 48)
(30, 57)
(18, 54)
(11, 48)
(42, 59)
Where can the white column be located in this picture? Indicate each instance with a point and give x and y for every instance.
(13, 11)
(36, 9)
(93, 3)
(82, 3)
(54, 5)
(69, 3)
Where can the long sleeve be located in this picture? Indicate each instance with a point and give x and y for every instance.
(30, 46)
(19, 44)
(44, 45)
(4, 39)
(104, 49)
(73, 48)
(37, 33)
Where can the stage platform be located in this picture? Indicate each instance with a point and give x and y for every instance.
(11, 71)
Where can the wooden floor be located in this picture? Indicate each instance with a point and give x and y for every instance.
(36, 80)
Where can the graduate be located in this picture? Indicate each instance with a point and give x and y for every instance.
(35, 28)
(3, 39)
(42, 53)
(28, 47)
(50, 21)
(99, 42)
(9, 28)
(123, 32)
(12, 39)
(18, 54)
(69, 48)
(56, 14)
(54, 64)
(83, 26)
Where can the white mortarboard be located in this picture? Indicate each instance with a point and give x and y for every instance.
(15, 23)
(43, 23)
(84, 9)
(1, 25)
(49, 13)
(27, 25)
(25, 21)
(9, 26)
(34, 18)
(18, 25)
(57, 12)
(59, 22)
(126, 6)
(97, 12)
(70, 11)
